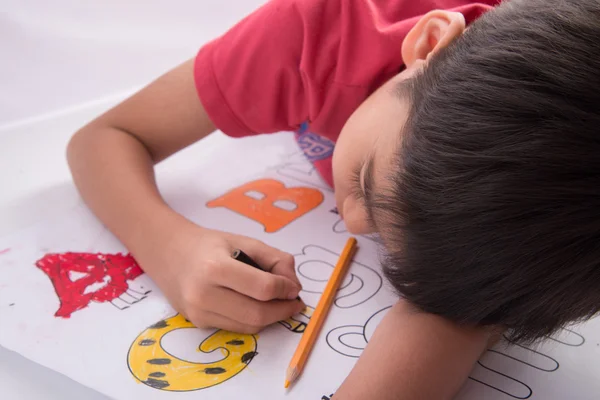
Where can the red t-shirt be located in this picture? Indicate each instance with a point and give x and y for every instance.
(306, 65)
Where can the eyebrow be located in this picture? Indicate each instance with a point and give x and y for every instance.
(368, 187)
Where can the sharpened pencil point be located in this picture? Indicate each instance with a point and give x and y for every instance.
(286, 384)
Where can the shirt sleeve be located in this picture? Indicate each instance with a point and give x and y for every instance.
(249, 79)
(297, 61)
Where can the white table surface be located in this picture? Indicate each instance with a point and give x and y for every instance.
(36, 184)
(64, 62)
(33, 165)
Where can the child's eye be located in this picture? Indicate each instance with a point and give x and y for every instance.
(356, 186)
(360, 190)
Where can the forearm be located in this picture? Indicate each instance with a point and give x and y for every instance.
(114, 174)
(112, 159)
(414, 356)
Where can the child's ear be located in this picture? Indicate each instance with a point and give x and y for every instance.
(434, 31)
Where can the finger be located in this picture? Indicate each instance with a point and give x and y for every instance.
(286, 266)
(208, 319)
(273, 260)
(249, 311)
(254, 283)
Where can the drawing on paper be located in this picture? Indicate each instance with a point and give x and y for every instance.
(568, 337)
(152, 365)
(351, 340)
(298, 168)
(340, 227)
(314, 266)
(502, 382)
(297, 323)
(314, 146)
(519, 355)
(80, 278)
(269, 202)
(535, 360)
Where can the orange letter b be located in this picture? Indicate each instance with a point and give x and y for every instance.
(269, 202)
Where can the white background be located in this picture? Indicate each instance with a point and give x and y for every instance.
(61, 55)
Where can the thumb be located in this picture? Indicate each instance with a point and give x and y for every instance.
(291, 288)
(274, 260)
(271, 286)
(286, 266)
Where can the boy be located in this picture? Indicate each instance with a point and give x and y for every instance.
(473, 152)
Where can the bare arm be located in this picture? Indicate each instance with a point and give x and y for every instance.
(414, 356)
(112, 161)
(112, 157)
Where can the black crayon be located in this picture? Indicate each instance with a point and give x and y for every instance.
(239, 255)
(245, 258)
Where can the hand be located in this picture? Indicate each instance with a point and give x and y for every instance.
(204, 283)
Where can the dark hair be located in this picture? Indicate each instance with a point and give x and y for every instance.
(494, 217)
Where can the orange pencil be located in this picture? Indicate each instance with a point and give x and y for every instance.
(316, 321)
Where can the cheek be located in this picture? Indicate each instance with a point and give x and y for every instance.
(355, 217)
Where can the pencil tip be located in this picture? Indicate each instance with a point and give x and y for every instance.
(286, 384)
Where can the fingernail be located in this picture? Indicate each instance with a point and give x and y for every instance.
(293, 294)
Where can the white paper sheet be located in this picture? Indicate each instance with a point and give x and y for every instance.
(116, 333)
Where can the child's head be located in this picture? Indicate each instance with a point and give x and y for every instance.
(479, 165)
